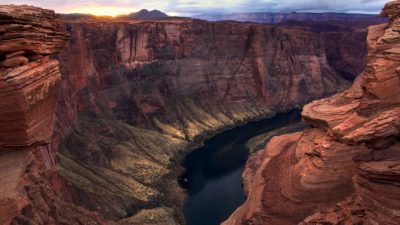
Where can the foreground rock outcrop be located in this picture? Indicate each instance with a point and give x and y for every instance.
(29, 82)
(344, 168)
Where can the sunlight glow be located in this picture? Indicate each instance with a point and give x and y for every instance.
(194, 7)
(102, 10)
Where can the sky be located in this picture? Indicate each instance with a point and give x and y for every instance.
(193, 7)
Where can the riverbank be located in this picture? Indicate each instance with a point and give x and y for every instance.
(222, 158)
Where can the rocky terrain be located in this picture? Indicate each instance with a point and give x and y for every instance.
(343, 35)
(343, 169)
(130, 87)
(97, 113)
(345, 43)
(266, 17)
(29, 83)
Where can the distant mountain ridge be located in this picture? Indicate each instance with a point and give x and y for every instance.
(143, 14)
(266, 17)
(146, 14)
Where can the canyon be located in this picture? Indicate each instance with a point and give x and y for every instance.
(97, 114)
(137, 86)
(213, 173)
(343, 169)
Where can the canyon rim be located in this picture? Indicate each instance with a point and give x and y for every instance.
(96, 115)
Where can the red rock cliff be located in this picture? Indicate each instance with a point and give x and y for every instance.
(140, 93)
(345, 43)
(134, 97)
(29, 82)
(344, 168)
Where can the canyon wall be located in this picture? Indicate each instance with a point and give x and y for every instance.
(344, 35)
(343, 169)
(133, 98)
(137, 95)
(29, 83)
(345, 43)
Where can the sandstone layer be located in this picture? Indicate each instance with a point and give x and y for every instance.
(344, 168)
(345, 43)
(134, 97)
(29, 82)
(138, 95)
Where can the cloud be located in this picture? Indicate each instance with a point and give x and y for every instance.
(336, 5)
(188, 7)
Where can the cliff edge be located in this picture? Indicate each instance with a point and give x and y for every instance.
(29, 83)
(344, 168)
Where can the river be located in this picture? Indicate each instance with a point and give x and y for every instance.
(213, 177)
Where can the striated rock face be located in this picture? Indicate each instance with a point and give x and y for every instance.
(134, 97)
(344, 168)
(345, 43)
(29, 29)
(137, 95)
(29, 81)
(28, 77)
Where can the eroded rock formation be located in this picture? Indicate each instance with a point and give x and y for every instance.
(345, 43)
(135, 97)
(29, 81)
(344, 168)
(142, 93)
